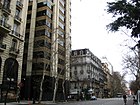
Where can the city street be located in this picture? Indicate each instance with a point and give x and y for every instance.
(109, 101)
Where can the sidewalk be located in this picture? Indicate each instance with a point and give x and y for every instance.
(130, 102)
(29, 103)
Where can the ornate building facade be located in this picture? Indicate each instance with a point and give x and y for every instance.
(12, 34)
(87, 73)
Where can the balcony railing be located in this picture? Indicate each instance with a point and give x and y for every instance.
(2, 46)
(18, 18)
(6, 9)
(3, 24)
(19, 4)
(15, 33)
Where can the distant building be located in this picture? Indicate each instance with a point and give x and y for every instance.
(12, 34)
(108, 86)
(86, 73)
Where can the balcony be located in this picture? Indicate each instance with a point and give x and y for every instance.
(15, 34)
(2, 47)
(4, 27)
(18, 19)
(14, 51)
(19, 4)
(6, 9)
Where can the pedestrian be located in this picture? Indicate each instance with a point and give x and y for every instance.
(125, 98)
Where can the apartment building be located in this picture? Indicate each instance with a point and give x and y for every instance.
(109, 82)
(47, 48)
(12, 32)
(87, 73)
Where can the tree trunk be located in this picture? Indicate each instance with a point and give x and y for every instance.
(41, 90)
(55, 89)
(41, 85)
(64, 90)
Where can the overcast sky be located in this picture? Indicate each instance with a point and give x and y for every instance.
(89, 20)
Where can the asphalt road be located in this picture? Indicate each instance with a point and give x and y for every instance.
(111, 101)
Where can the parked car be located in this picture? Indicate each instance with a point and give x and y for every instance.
(93, 98)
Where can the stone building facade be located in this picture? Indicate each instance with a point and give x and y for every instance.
(87, 73)
(12, 34)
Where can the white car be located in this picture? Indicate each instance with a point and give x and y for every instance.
(93, 98)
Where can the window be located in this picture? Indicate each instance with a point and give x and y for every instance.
(44, 12)
(6, 4)
(43, 22)
(47, 44)
(61, 25)
(4, 19)
(47, 55)
(61, 52)
(39, 43)
(45, 3)
(40, 54)
(75, 53)
(61, 17)
(48, 13)
(75, 68)
(17, 12)
(75, 72)
(49, 4)
(27, 25)
(47, 33)
(43, 32)
(88, 76)
(82, 71)
(30, 7)
(15, 28)
(62, 2)
(14, 45)
(48, 23)
(61, 33)
(28, 16)
(62, 9)
(60, 61)
(81, 52)
(61, 42)
(1, 39)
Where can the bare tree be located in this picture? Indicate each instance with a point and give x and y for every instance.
(63, 71)
(41, 85)
(131, 62)
(119, 84)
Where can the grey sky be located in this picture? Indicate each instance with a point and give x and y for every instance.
(89, 20)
